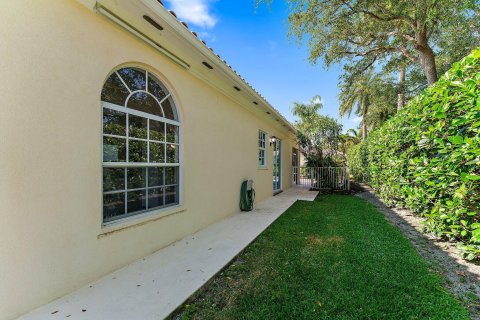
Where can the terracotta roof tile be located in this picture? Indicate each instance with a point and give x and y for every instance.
(224, 61)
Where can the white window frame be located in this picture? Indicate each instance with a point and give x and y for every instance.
(262, 147)
(127, 164)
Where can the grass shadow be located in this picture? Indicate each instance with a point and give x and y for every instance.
(461, 277)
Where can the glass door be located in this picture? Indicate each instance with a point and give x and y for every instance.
(295, 164)
(277, 166)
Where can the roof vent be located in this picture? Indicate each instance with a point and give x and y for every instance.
(236, 88)
(255, 102)
(268, 112)
(206, 64)
(153, 22)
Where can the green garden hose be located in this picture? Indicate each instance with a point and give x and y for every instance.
(247, 196)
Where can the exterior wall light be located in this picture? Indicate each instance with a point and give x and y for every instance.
(273, 139)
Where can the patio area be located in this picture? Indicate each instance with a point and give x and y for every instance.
(155, 286)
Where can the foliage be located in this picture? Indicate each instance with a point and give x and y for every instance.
(427, 157)
(367, 31)
(368, 95)
(353, 133)
(423, 38)
(318, 136)
(355, 91)
(356, 163)
(346, 143)
(383, 103)
(334, 258)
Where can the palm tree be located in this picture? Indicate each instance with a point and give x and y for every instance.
(317, 135)
(353, 132)
(356, 96)
(346, 141)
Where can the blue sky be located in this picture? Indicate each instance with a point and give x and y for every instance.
(256, 44)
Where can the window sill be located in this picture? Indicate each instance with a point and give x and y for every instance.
(139, 220)
(262, 168)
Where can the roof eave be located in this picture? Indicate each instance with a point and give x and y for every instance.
(201, 46)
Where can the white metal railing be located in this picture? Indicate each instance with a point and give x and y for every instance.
(336, 178)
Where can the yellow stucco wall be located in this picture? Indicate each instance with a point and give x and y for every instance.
(54, 57)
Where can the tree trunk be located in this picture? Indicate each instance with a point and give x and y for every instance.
(364, 117)
(428, 62)
(427, 57)
(401, 88)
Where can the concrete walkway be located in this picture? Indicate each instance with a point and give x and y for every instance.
(153, 287)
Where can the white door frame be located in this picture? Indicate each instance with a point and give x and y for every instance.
(278, 141)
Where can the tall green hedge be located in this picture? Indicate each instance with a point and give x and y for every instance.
(427, 157)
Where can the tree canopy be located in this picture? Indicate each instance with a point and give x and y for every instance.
(370, 30)
(318, 136)
(370, 96)
(413, 40)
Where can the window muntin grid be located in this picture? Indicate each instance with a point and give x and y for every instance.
(262, 152)
(141, 145)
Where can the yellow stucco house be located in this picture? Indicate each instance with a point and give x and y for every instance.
(121, 132)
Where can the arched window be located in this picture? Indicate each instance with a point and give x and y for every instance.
(140, 145)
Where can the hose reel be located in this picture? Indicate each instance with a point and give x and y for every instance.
(247, 195)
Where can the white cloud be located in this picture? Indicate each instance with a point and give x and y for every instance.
(357, 119)
(196, 12)
(207, 36)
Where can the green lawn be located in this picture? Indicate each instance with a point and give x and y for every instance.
(334, 258)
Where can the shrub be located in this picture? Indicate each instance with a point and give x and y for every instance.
(427, 157)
